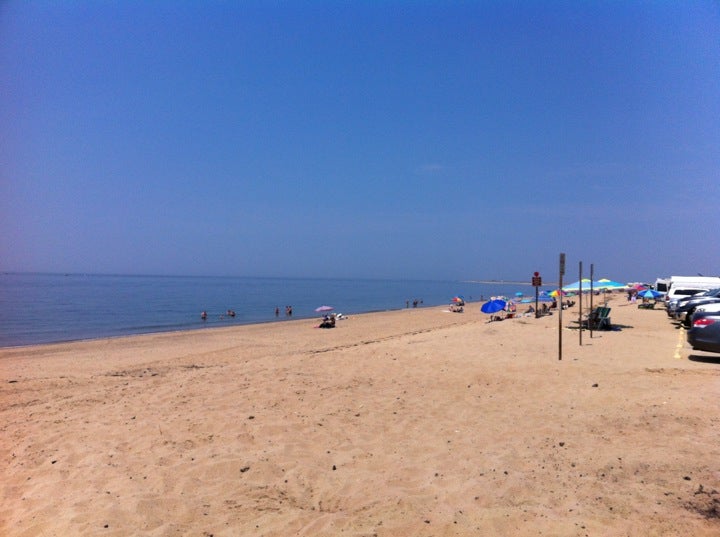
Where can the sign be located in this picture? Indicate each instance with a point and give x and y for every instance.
(536, 280)
(562, 264)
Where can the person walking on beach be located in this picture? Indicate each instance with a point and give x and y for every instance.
(277, 312)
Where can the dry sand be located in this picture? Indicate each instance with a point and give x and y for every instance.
(415, 422)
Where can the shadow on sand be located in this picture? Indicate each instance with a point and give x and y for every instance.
(705, 358)
(613, 328)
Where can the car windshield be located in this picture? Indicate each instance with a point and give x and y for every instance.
(713, 293)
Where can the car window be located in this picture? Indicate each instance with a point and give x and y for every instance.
(688, 292)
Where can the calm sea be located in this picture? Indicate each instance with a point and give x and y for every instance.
(45, 308)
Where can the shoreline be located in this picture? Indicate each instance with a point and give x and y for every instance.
(407, 422)
(79, 308)
(235, 324)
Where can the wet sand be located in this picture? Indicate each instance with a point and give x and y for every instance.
(416, 422)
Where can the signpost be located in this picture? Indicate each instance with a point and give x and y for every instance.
(560, 281)
(536, 282)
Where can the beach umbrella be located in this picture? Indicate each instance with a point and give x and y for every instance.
(519, 293)
(609, 284)
(541, 298)
(458, 298)
(650, 293)
(323, 309)
(493, 306)
(576, 285)
(556, 293)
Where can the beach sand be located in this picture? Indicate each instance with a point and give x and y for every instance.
(417, 422)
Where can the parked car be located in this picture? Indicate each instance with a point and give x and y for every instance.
(683, 295)
(715, 307)
(709, 308)
(704, 334)
(685, 308)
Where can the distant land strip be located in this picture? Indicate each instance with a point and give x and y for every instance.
(509, 282)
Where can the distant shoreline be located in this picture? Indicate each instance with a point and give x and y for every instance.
(509, 282)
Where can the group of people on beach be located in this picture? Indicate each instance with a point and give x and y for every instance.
(328, 321)
(510, 310)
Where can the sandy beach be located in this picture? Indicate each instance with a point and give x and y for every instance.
(417, 422)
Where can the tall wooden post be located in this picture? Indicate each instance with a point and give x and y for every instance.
(580, 300)
(560, 325)
(592, 271)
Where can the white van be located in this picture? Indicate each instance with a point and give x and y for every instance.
(661, 285)
(684, 285)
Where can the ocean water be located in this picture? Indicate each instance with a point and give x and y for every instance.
(46, 308)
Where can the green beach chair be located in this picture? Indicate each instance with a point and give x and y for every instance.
(599, 319)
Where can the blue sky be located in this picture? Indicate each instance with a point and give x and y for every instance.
(423, 140)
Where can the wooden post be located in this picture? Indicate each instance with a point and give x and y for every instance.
(562, 271)
(580, 300)
(592, 270)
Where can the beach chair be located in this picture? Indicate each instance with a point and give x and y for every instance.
(599, 319)
(604, 319)
(646, 306)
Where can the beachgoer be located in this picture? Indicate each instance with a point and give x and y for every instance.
(277, 311)
(203, 315)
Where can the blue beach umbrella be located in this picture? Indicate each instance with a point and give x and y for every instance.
(650, 293)
(493, 306)
(608, 284)
(541, 298)
(576, 286)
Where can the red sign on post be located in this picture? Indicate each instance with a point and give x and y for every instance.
(536, 280)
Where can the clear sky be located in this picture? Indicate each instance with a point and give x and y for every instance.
(393, 139)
